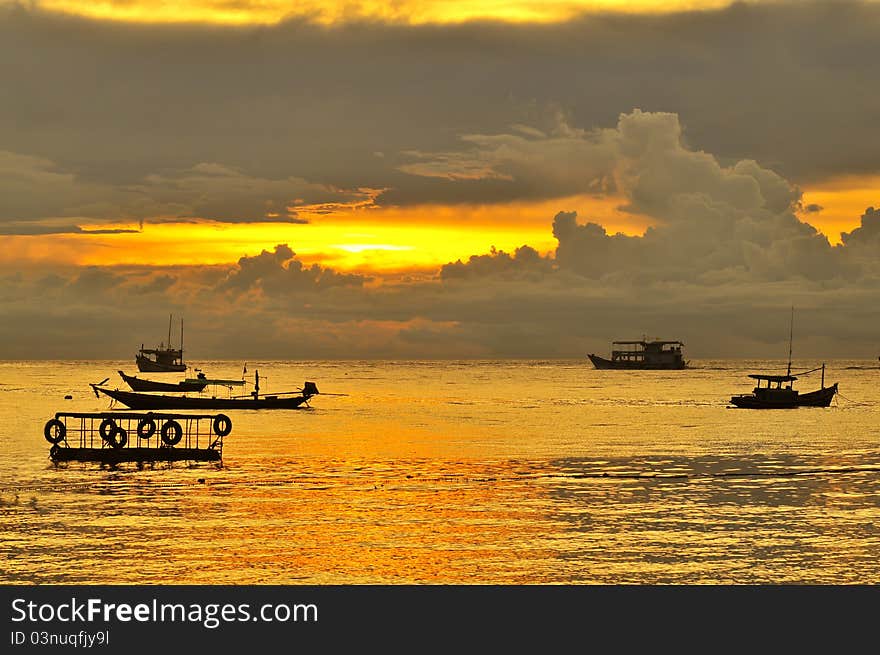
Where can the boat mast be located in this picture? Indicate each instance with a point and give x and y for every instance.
(790, 335)
(181, 340)
(169, 330)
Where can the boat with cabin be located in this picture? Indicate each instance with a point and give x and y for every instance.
(779, 391)
(164, 358)
(642, 355)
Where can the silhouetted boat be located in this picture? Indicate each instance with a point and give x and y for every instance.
(253, 400)
(191, 384)
(135, 400)
(642, 355)
(163, 359)
(777, 396)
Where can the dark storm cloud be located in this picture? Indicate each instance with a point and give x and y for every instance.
(94, 280)
(867, 234)
(279, 272)
(33, 229)
(158, 284)
(524, 262)
(109, 120)
(36, 188)
(736, 220)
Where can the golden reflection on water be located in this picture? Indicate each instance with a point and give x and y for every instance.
(446, 474)
(340, 526)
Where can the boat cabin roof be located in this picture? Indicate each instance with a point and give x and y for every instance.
(662, 343)
(774, 378)
(160, 351)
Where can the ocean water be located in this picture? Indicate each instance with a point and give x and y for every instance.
(510, 472)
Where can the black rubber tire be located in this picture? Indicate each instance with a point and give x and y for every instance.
(106, 428)
(146, 427)
(169, 427)
(55, 431)
(222, 425)
(118, 438)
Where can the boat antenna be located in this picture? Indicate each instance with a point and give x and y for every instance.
(790, 335)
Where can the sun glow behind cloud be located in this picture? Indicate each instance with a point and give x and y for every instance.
(391, 239)
(330, 12)
(388, 240)
(343, 246)
(839, 202)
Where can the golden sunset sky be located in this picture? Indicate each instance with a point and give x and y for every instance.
(329, 12)
(185, 149)
(364, 236)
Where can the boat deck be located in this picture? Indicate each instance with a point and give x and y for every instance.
(114, 456)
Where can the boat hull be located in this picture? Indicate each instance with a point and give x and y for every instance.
(135, 400)
(146, 365)
(819, 398)
(137, 384)
(602, 363)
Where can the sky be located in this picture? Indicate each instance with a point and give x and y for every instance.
(439, 179)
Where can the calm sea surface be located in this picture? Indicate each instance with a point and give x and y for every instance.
(459, 472)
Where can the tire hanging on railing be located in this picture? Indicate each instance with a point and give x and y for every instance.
(171, 433)
(55, 431)
(222, 425)
(106, 428)
(118, 438)
(146, 427)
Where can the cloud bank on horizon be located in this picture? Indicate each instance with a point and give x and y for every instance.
(727, 256)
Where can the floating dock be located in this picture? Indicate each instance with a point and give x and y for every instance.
(115, 437)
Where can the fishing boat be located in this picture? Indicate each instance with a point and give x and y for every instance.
(253, 400)
(779, 391)
(163, 359)
(642, 355)
(190, 384)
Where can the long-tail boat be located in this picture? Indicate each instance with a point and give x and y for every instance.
(254, 400)
(192, 384)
